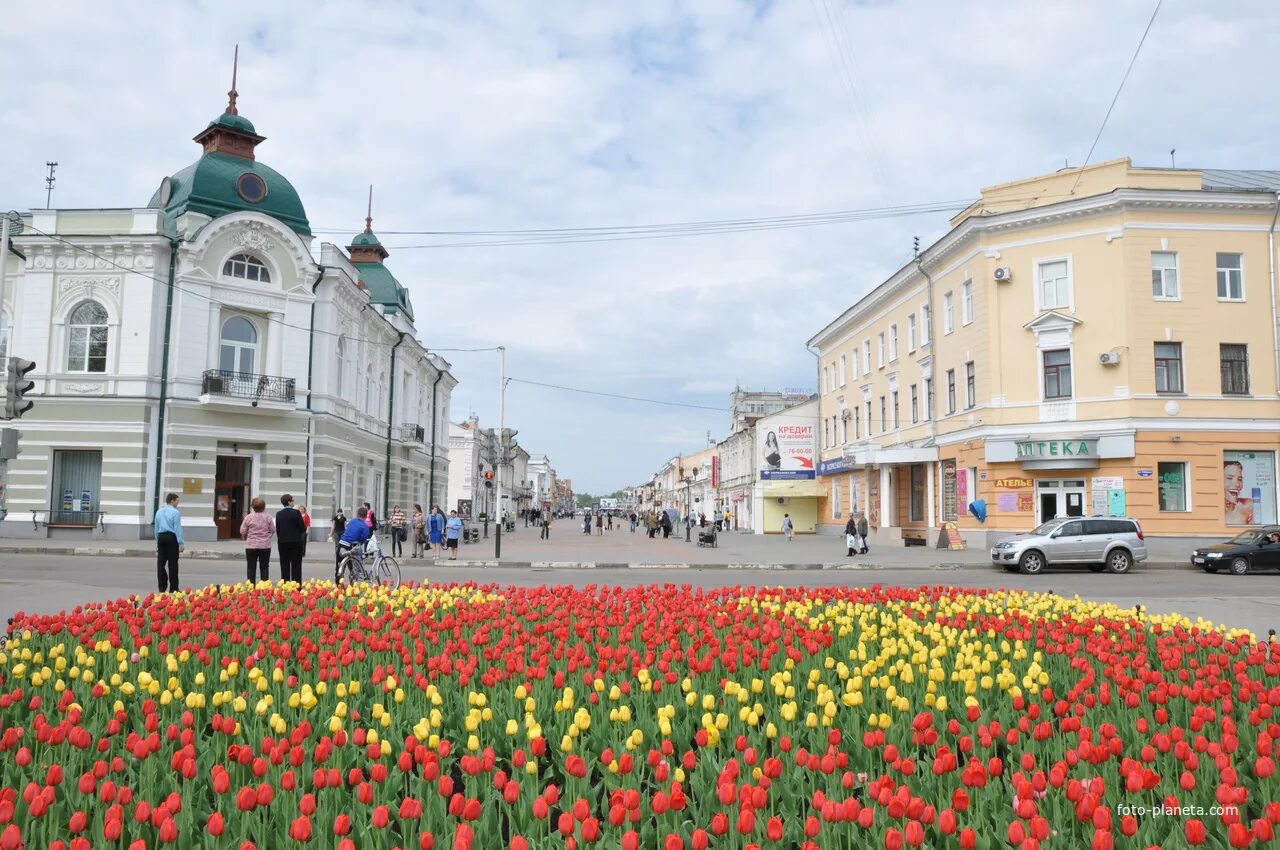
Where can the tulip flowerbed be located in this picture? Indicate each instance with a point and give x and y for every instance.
(666, 717)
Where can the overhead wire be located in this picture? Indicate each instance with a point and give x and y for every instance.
(617, 395)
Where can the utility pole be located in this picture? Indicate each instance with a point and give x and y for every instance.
(501, 447)
(49, 180)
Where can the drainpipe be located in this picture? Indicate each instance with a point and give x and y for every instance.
(435, 417)
(391, 408)
(1275, 317)
(164, 374)
(311, 347)
(933, 354)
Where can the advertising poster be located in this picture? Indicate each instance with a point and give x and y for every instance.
(963, 490)
(786, 452)
(1249, 487)
(1007, 503)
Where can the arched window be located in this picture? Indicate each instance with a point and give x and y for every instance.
(248, 267)
(341, 379)
(5, 330)
(238, 351)
(87, 338)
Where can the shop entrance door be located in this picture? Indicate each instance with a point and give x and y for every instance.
(1059, 498)
(231, 494)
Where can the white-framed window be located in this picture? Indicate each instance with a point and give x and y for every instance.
(87, 338)
(853, 362)
(866, 356)
(246, 267)
(1164, 276)
(911, 332)
(238, 346)
(340, 379)
(948, 313)
(844, 430)
(5, 330)
(925, 330)
(826, 433)
(928, 398)
(880, 350)
(897, 423)
(1053, 284)
(870, 425)
(915, 404)
(1056, 366)
(970, 385)
(951, 391)
(1172, 484)
(893, 343)
(1230, 277)
(843, 375)
(966, 302)
(857, 423)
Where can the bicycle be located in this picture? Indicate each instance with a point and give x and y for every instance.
(384, 570)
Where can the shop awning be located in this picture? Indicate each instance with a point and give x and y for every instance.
(793, 489)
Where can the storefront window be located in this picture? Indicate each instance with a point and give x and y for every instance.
(77, 477)
(835, 500)
(949, 491)
(1173, 485)
(918, 473)
(1249, 487)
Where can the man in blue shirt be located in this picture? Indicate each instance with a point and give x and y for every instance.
(354, 536)
(169, 543)
(452, 531)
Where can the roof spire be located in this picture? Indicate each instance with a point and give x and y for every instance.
(233, 94)
(368, 219)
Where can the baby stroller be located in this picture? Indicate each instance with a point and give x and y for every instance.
(707, 537)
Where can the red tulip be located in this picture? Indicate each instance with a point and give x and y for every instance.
(341, 825)
(773, 828)
(381, 817)
(215, 824)
(300, 828)
(630, 840)
(1194, 832)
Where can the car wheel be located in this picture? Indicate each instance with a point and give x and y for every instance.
(1119, 561)
(1031, 563)
(1240, 566)
(1097, 568)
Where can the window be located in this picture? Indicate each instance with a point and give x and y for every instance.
(1057, 373)
(247, 267)
(826, 433)
(4, 338)
(951, 391)
(842, 370)
(1164, 276)
(1234, 363)
(915, 404)
(857, 424)
(928, 398)
(87, 338)
(340, 381)
(893, 343)
(238, 349)
(918, 484)
(1230, 277)
(925, 330)
(853, 362)
(835, 500)
(970, 385)
(966, 302)
(911, 332)
(1055, 285)
(1169, 367)
(948, 313)
(869, 426)
(880, 350)
(866, 356)
(884, 420)
(844, 429)
(896, 422)
(77, 478)
(1173, 485)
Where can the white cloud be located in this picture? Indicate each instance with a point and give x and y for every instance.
(503, 115)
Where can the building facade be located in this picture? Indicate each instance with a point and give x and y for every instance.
(193, 345)
(467, 453)
(1094, 341)
(542, 482)
(783, 470)
(747, 407)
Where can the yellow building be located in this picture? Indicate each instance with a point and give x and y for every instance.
(1093, 341)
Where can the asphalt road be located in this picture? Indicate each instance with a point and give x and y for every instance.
(48, 583)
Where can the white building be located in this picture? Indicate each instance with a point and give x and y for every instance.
(467, 464)
(193, 344)
(542, 482)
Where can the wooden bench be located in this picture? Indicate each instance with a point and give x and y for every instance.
(68, 519)
(915, 537)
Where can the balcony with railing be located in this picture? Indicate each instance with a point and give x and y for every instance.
(235, 388)
(412, 433)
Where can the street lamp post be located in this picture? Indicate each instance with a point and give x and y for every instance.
(688, 509)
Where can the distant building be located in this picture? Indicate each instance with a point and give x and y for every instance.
(746, 407)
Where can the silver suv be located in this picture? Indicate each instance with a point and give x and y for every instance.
(1113, 543)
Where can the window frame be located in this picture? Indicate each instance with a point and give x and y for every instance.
(948, 313)
(870, 418)
(1179, 372)
(880, 351)
(843, 370)
(246, 261)
(1163, 270)
(340, 376)
(1058, 370)
(915, 404)
(897, 413)
(1041, 306)
(925, 330)
(884, 415)
(911, 332)
(1186, 488)
(86, 329)
(951, 391)
(1222, 367)
(1239, 269)
(893, 343)
(970, 385)
(866, 357)
(238, 347)
(928, 398)
(966, 303)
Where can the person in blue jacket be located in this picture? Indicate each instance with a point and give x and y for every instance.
(354, 537)
(435, 530)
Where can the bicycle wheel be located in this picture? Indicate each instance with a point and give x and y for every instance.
(342, 572)
(388, 572)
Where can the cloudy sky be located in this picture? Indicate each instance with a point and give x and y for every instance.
(509, 116)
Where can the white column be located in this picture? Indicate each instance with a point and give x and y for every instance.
(275, 344)
(931, 469)
(215, 335)
(887, 519)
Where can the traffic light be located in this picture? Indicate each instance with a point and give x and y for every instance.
(9, 438)
(488, 478)
(17, 386)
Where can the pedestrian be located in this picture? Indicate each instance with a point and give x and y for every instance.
(665, 522)
(255, 530)
(336, 527)
(586, 523)
(306, 520)
(169, 543)
(546, 526)
(633, 522)
(418, 528)
(851, 536)
(291, 531)
(726, 519)
(398, 532)
(652, 523)
(452, 531)
(370, 519)
(862, 531)
(611, 520)
(600, 525)
(435, 531)
(788, 527)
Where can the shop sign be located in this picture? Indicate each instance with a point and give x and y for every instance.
(1007, 503)
(1038, 449)
(1014, 483)
(787, 453)
(951, 533)
(1144, 473)
(193, 485)
(715, 471)
(1113, 482)
(831, 467)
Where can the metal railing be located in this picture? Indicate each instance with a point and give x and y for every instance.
(411, 433)
(248, 385)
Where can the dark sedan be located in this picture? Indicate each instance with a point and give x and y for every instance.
(1255, 549)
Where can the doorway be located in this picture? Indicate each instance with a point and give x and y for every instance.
(231, 494)
(1059, 498)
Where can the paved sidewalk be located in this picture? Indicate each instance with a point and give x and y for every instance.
(568, 548)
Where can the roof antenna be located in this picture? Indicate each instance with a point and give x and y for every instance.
(1173, 163)
(233, 94)
(48, 184)
(915, 246)
(368, 219)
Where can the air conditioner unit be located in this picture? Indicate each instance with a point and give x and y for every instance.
(781, 500)
(1004, 274)
(1109, 358)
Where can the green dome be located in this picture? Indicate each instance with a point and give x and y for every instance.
(234, 122)
(365, 240)
(383, 287)
(218, 183)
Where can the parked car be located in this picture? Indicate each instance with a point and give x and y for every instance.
(1253, 549)
(1113, 543)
